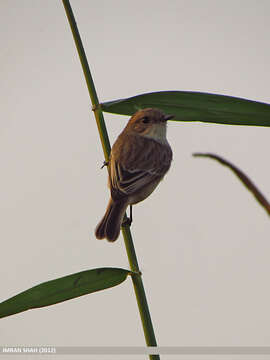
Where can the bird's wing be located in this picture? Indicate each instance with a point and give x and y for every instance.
(129, 181)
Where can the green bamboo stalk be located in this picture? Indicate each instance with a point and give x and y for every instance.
(130, 249)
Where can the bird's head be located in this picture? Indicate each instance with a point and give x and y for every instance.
(150, 122)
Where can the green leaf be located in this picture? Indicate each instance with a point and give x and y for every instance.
(62, 289)
(196, 106)
(243, 178)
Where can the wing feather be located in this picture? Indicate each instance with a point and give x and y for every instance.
(130, 170)
(128, 182)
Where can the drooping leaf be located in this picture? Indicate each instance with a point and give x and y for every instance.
(243, 178)
(196, 106)
(62, 289)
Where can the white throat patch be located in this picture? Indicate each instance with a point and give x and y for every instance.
(158, 133)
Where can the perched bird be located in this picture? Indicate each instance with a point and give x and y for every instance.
(139, 159)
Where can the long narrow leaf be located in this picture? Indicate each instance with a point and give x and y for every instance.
(196, 106)
(62, 289)
(243, 178)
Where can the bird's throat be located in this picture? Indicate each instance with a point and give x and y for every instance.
(157, 132)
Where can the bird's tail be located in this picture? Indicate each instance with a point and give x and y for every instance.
(109, 226)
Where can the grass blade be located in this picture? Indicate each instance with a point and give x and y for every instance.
(243, 178)
(62, 289)
(196, 106)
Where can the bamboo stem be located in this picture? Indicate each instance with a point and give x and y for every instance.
(136, 277)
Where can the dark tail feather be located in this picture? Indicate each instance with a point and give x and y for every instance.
(109, 226)
(101, 226)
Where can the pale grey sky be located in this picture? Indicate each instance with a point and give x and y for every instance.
(202, 241)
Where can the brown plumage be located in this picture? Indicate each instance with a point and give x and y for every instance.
(139, 159)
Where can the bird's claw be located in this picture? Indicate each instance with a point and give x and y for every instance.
(105, 163)
(127, 222)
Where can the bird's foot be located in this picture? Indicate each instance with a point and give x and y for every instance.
(128, 220)
(105, 163)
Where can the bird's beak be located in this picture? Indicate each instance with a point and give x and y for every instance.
(168, 117)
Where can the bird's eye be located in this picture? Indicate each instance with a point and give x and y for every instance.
(145, 120)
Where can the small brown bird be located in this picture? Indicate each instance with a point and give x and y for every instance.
(139, 159)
